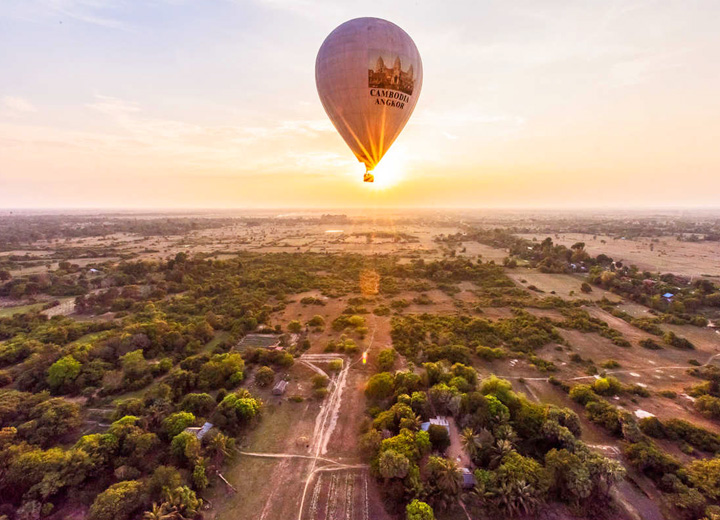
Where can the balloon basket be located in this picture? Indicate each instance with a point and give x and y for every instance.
(368, 177)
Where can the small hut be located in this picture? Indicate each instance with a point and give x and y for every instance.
(279, 388)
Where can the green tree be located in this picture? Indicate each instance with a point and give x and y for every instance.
(63, 373)
(49, 420)
(386, 359)
(199, 474)
(264, 376)
(439, 437)
(134, 365)
(417, 510)
(100, 448)
(226, 369)
(379, 386)
(198, 404)
(118, 502)
(185, 447)
(177, 422)
(392, 464)
(236, 410)
(163, 477)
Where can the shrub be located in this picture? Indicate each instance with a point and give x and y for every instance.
(705, 475)
(382, 310)
(294, 326)
(637, 390)
(650, 344)
(335, 365)
(677, 341)
(646, 457)
(694, 435)
(653, 427)
(489, 353)
(603, 413)
(583, 394)
(320, 381)
(708, 405)
(316, 321)
(607, 386)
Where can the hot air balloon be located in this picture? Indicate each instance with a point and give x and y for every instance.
(368, 74)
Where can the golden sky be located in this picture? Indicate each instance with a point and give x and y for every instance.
(179, 103)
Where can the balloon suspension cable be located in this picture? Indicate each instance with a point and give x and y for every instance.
(368, 177)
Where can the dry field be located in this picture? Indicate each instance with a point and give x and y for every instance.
(562, 284)
(668, 254)
(266, 237)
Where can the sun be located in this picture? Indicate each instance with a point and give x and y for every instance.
(391, 170)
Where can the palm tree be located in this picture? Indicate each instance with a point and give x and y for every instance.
(481, 494)
(159, 512)
(471, 442)
(502, 448)
(412, 423)
(183, 503)
(392, 464)
(447, 477)
(517, 496)
(220, 447)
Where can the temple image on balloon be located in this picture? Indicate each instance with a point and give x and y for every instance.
(380, 75)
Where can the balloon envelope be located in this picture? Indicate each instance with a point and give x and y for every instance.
(369, 75)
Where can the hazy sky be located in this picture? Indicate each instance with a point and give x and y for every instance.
(212, 103)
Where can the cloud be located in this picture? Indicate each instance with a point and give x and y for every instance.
(127, 133)
(17, 104)
(468, 118)
(644, 68)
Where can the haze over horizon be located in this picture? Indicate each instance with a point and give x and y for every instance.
(213, 105)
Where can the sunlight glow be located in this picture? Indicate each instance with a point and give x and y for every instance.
(391, 170)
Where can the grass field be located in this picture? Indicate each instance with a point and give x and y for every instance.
(10, 311)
